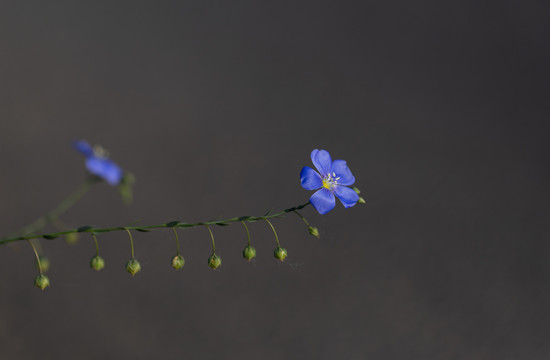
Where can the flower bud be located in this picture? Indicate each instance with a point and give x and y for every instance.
(214, 261)
(41, 281)
(314, 231)
(178, 262)
(133, 266)
(71, 238)
(361, 200)
(44, 264)
(280, 253)
(249, 253)
(97, 263)
(125, 187)
(356, 190)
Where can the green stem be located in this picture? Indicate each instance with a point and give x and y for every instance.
(37, 257)
(56, 212)
(301, 217)
(177, 241)
(96, 245)
(274, 232)
(131, 242)
(247, 233)
(177, 224)
(212, 236)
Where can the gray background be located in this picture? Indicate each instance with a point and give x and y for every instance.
(440, 109)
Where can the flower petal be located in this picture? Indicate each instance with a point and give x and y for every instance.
(323, 201)
(347, 196)
(83, 147)
(105, 169)
(311, 180)
(342, 171)
(322, 161)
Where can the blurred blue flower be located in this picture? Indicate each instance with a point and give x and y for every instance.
(333, 178)
(98, 162)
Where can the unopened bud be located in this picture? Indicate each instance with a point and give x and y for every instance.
(97, 263)
(214, 261)
(125, 187)
(41, 281)
(280, 253)
(44, 264)
(361, 200)
(314, 231)
(71, 238)
(356, 190)
(178, 262)
(133, 266)
(249, 253)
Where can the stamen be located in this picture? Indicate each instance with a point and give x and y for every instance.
(100, 152)
(330, 180)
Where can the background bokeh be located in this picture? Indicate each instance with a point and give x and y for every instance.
(440, 108)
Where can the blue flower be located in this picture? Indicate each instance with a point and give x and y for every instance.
(333, 178)
(98, 163)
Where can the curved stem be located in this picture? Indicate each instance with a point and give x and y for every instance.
(177, 241)
(212, 236)
(131, 242)
(247, 233)
(177, 224)
(96, 245)
(274, 232)
(37, 257)
(301, 217)
(56, 212)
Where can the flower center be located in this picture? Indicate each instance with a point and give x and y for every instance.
(330, 180)
(100, 152)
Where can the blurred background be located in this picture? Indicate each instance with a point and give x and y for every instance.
(440, 109)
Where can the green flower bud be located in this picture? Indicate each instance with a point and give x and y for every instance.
(356, 190)
(314, 231)
(133, 266)
(361, 200)
(71, 238)
(125, 187)
(178, 262)
(44, 264)
(249, 253)
(280, 253)
(97, 263)
(214, 261)
(41, 281)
